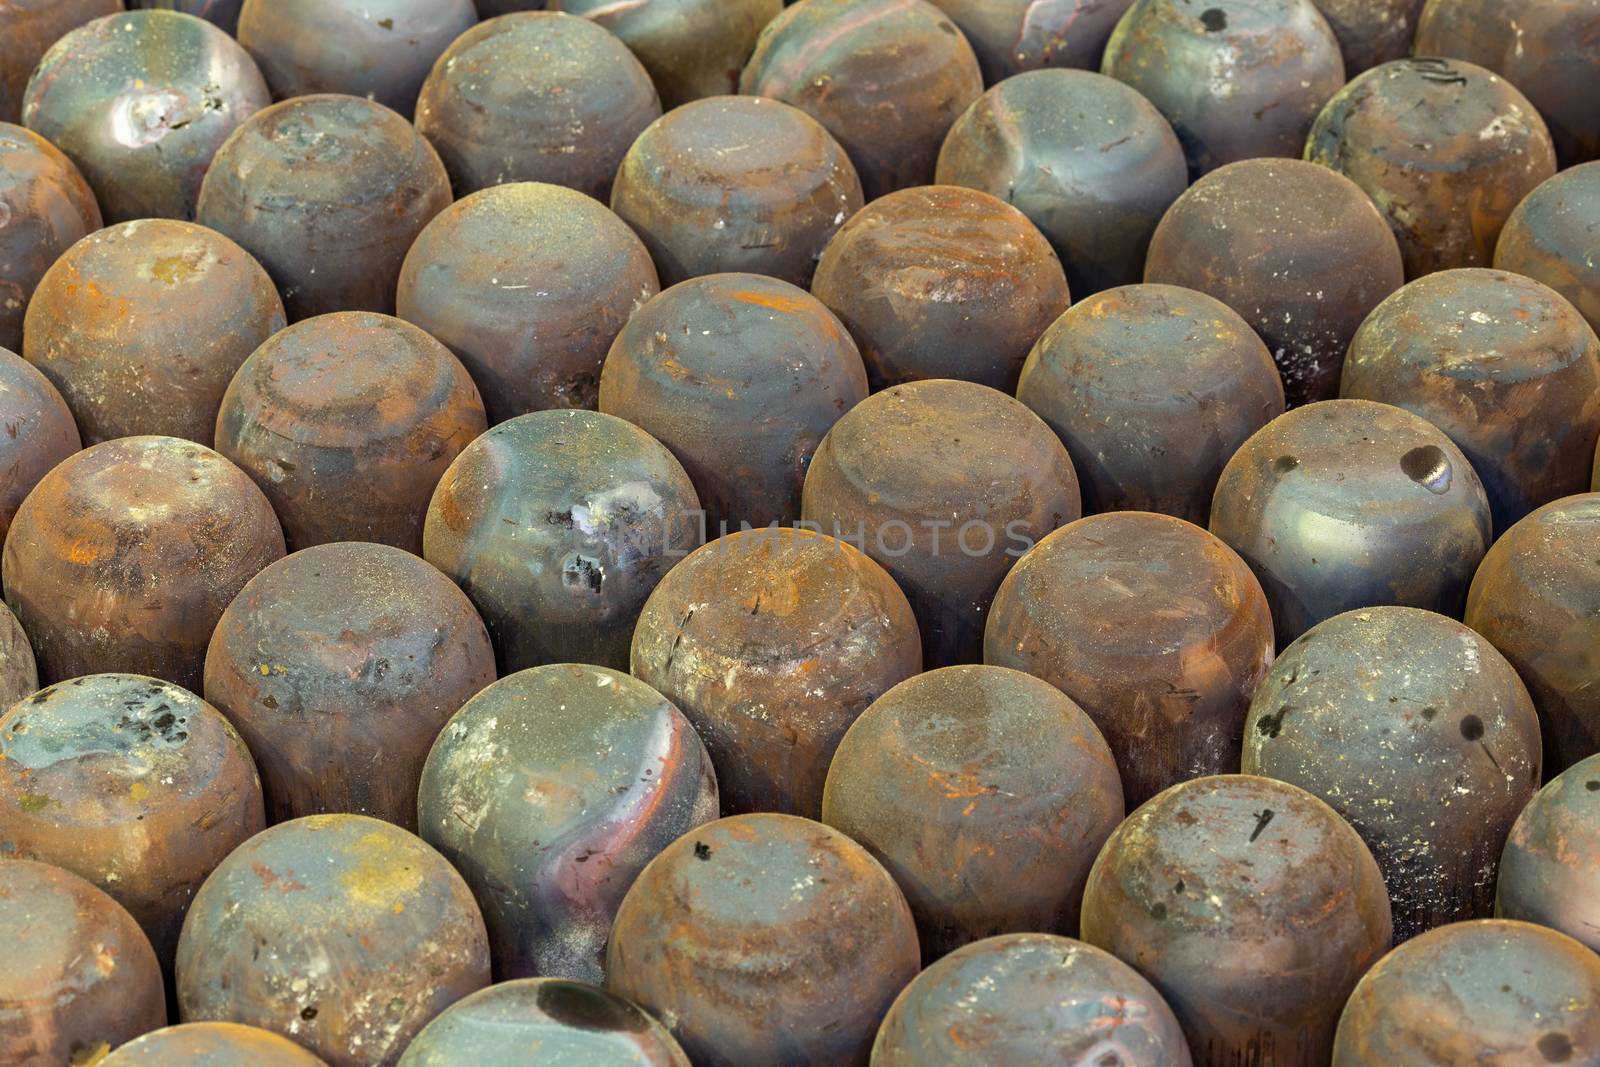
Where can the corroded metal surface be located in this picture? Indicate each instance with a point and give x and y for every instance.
(773, 642)
(47, 207)
(570, 1024)
(1157, 629)
(19, 675)
(1152, 388)
(1479, 992)
(379, 49)
(40, 432)
(558, 525)
(986, 793)
(1550, 49)
(211, 1045)
(691, 48)
(537, 96)
(1535, 599)
(141, 102)
(1091, 162)
(123, 558)
(736, 183)
(347, 422)
(342, 933)
(135, 784)
(1351, 504)
(1425, 136)
(1297, 250)
(1550, 869)
(1502, 364)
(1371, 32)
(79, 976)
(1030, 999)
(886, 77)
(740, 376)
(973, 481)
(27, 30)
(550, 791)
(790, 900)
(225, 13)
(1011, 36)
(328, 192)
(1550, 237)
(1237, 79)
(340, 665)
(1421, 735)
(942, 282)
(141, 327)
(1251, 906)
(528, 284)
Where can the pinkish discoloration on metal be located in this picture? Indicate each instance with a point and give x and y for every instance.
(550, 791)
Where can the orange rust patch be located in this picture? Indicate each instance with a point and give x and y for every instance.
(789, 305)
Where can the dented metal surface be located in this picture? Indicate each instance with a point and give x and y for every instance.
(1536, 600)
(740, 376)
(1297, 250)
(1238, 79)
(328, 193)
(60, 1004)
(1011, 36)
(1421, 735)
(347, 422)
(528, 284)
(1351, 504)
(791, 900)
(123, 558)
(1549, 49)
(141, 326)
(132, 783)
(1154, 627)
(1550, 869)
(211, 1045)
(1503, 365)
(773, 642)
(40, 432)
(340, 665)
(558, 525)
(736, 183)
(886, 77)
(340, 932)
(1445, 149)
(1550, 237)
(1091, 162)
(141, 102)
(973, 481)
(1477, 992)
(378, 49)
(47, 207)
(1251, 906)
(986, 793)
(570, 1024)
(942, 282)
(1152, 388)
(550, 791)
(1030, 999)
(536, 96)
